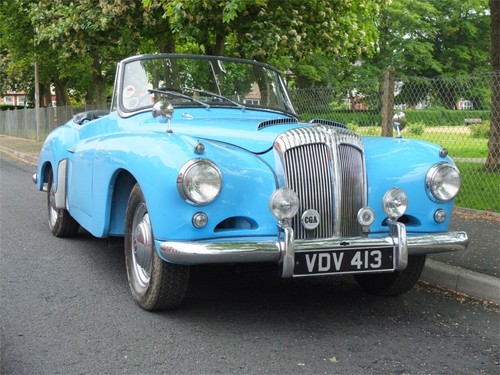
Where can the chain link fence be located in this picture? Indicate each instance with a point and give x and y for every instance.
(455, 113)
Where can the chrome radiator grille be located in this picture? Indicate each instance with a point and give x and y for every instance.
(325, 167)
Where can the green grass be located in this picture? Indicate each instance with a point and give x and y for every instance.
(458, 145)
(479, 188)
(458, 141)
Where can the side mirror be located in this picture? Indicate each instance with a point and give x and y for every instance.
(164, 111)
(399, 122)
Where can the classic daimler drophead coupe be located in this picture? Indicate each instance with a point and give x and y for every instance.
(203, 160)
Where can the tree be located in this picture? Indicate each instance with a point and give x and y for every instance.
(493, 160)
(405, 45)
(16, 48)
(290, 35)
(103, 31)
(461, 45)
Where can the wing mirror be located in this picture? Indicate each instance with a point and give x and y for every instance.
(164, 111)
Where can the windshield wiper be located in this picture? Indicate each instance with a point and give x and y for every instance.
(239, 105)
(177, 95)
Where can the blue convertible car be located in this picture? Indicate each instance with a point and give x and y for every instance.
(203, 160)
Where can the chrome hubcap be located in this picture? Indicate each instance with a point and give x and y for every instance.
(142, 247)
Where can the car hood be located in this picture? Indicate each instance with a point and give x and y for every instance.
(254, 132)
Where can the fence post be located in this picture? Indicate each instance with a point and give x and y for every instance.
(37, 102)
(387, 103)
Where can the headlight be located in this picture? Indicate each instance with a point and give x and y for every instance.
(443, 182)
(199, 181)
(284, 204)
(395, 203)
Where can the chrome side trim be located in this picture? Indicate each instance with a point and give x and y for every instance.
(60, 195)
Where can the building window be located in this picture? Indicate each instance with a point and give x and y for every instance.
(465, 104)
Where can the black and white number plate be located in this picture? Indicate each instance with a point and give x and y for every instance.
(350, 260)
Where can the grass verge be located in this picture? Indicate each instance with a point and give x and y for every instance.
(479, 189)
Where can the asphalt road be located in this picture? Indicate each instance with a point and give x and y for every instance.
(66, 309)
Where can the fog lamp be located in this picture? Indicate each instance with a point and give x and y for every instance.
(284, 203)
(395, 203)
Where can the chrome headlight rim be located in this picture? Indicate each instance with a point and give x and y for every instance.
(395, 203)
(444, 190)
(195, 191)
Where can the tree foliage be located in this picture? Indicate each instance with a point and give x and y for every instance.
(287, 34)
(16, 47)
(93, 32)
(321, 43)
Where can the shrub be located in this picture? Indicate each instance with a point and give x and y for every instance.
(417, 128)
(353, 127)
(481, 130)
(444, 117)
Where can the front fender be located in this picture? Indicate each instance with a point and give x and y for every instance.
(53, 151)
(154, 161)
(404, 163)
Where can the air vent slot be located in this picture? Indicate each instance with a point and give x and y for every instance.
(328, 122)
(277, 121)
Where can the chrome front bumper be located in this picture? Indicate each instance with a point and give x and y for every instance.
(283, 249)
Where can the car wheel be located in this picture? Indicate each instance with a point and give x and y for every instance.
(396, 283)
(154, 283)
(61, 223)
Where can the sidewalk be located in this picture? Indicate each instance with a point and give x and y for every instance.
(474, 272)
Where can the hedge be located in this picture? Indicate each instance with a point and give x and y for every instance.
(430, 117)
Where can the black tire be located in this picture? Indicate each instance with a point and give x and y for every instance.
(396, 283)
(154, 283)
(61, 223)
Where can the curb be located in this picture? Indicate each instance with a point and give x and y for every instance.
(464, 281)
(30, 159)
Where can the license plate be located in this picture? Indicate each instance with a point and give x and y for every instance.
(343, 261)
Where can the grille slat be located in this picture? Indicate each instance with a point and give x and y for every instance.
(325, 167)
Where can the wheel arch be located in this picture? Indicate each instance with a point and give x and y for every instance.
(123, 183)
(45, 170)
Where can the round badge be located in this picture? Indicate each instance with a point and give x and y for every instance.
(310, 219)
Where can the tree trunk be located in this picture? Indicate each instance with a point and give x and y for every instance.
(220, 41)
(387, 103)
(493, 160)
(98, 80)
(46, 95)
(216, 49)
(168, 46)
(62, 97)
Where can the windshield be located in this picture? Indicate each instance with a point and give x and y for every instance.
(200, 80)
